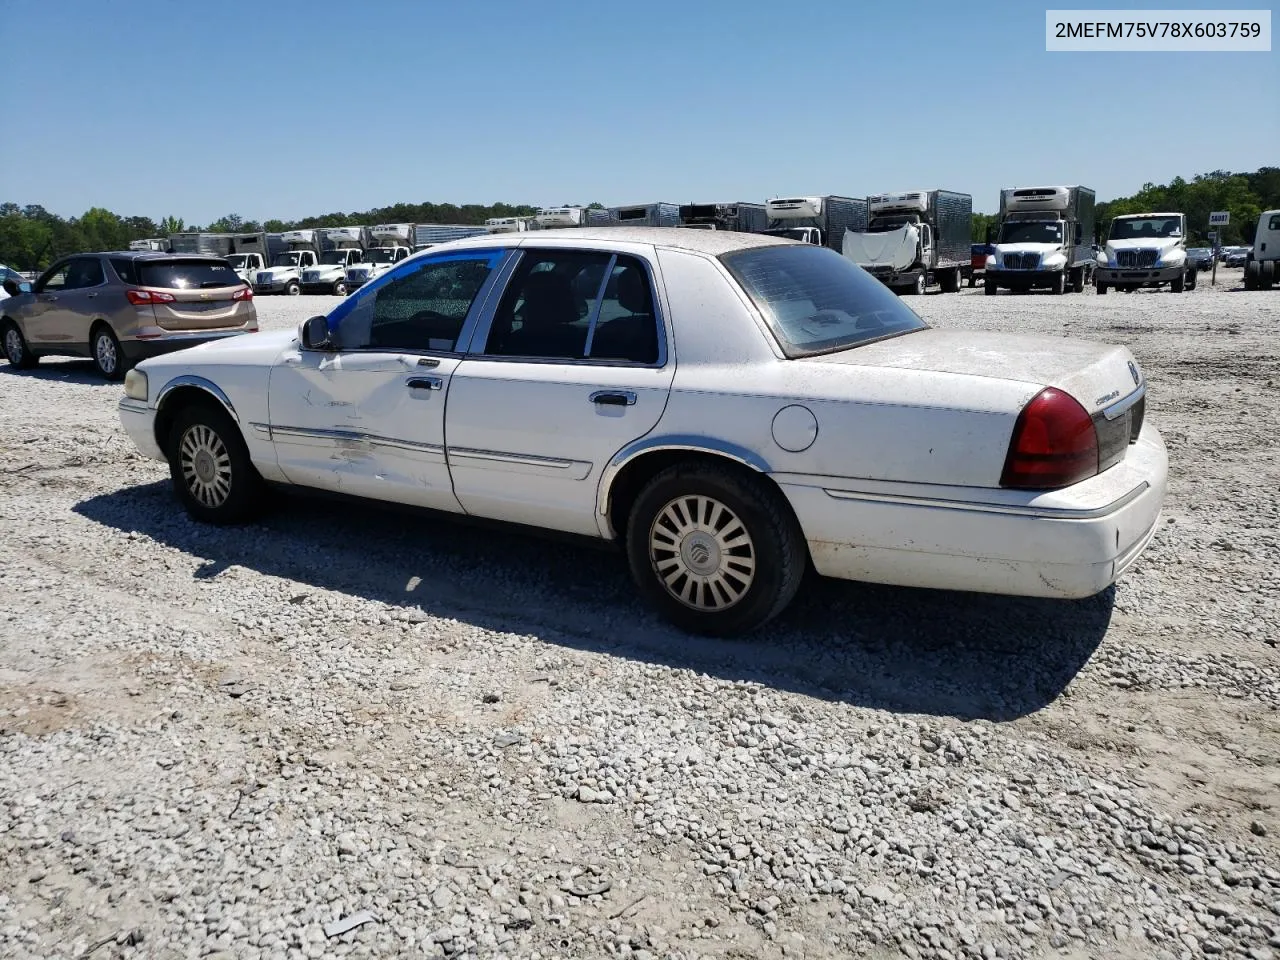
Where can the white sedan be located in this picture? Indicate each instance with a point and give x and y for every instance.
(729, 407)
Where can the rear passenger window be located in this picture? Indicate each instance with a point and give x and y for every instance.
(576, 305)
(125, 270)
(88, 272)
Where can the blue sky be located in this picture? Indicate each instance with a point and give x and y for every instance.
(284, 108)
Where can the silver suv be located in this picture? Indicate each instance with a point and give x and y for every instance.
(118, 308)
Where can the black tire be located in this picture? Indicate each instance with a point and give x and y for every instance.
(291, 289)
(1100, 287)
(206, 428)
(108, 358)
(1266, 273)
(1077, 280)
(16, 350)
(340, 288)
(1251, 279)
(990, 286)
(774, 543)
(1193, 277)
(1059, 283)
(1178, 284)
(973, 281)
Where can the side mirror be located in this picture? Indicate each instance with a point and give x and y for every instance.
(314, 334)
(11, 287)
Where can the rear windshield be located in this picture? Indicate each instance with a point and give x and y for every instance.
(817, 301)
(187, 274)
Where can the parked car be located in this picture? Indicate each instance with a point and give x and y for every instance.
(726, 406)
(24, 285)
(1202, 257)
(1235, 256)
(118, 308)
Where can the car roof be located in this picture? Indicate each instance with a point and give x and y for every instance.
(710, 242)
(151, 255)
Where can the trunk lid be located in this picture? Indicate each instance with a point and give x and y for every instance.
(1096, 374)
(203, 291)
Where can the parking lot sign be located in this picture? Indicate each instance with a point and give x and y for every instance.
(1220, 218)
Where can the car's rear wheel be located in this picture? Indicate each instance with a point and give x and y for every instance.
(716, 550)
(16, 350)
(210, 466)
(292, 289)
(108, 358)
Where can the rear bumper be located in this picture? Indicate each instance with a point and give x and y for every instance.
(1143, 278)
(135, 350)
(1067, 544)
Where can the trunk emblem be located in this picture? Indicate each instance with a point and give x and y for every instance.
(1133, 372)
(206, 296)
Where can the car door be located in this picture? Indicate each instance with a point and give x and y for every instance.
(81, 302)
(570, 366)
(367, 417)
(50, 297)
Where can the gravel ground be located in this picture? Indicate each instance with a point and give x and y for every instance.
(219, 742)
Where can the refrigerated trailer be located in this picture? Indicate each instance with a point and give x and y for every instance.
(300, 251)
(915, 240)
(429, 234)
(741, 217)
(248, 253)
(645, 215)
(818, 220)
(1044, 240)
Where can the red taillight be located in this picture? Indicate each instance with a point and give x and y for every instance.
(142, 298)
(1054, 444)
(244, 293)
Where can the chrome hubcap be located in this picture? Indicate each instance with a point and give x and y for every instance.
(702, 553)
(105, 351)
(13, 345)
(206, 465)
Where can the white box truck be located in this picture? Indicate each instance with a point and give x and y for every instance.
(389, 244)
(284, 275)
(1262, 269)
(340, 249)
(1145, 250)
(1044, 240)
(915, 240)
(818, 220)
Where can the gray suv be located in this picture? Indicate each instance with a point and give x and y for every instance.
(118, 308)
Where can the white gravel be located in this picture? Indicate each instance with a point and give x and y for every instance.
(221, 742)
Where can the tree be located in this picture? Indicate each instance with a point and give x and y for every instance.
(172, 224)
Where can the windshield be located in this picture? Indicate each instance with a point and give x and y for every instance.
(1146, 228)
(380, 255)
(334, 257)
(816, 301)
(1024, 231)
(885, 224)
(238, 260)
(289, 259)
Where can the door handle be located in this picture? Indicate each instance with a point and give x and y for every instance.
(424, 383)
(91, 295)
(614, 398)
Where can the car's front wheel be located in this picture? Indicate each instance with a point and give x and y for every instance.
(16, 350)
(107, 355)
(210, 466)
(716, 550)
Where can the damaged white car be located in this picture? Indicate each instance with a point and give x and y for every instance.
(730, 408)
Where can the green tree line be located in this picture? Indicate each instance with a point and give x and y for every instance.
(31, 237)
